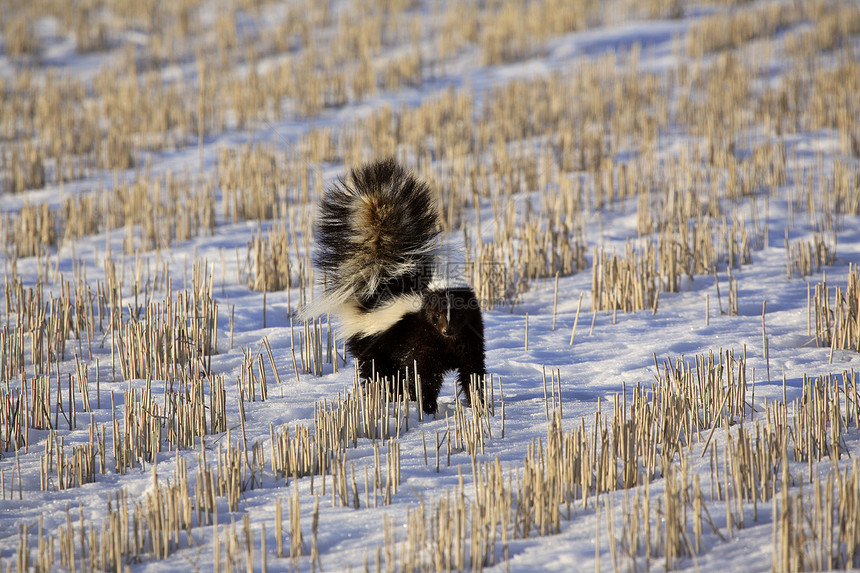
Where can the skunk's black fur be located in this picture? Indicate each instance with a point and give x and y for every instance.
(446, 334)
(377, 253)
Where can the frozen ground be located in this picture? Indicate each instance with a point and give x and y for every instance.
(617, 350)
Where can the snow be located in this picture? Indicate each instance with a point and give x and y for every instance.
(618, 351)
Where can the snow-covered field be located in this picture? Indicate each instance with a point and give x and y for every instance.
(529, 352)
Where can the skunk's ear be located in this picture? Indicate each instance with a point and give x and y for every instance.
(436, 300)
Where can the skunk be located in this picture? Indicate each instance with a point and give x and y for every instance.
(376, 248)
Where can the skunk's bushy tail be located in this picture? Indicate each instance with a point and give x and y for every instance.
(376, 245)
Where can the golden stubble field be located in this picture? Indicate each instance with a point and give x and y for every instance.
(135, 136)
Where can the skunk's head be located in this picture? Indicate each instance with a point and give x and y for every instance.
(453, 312)
(437, 311)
